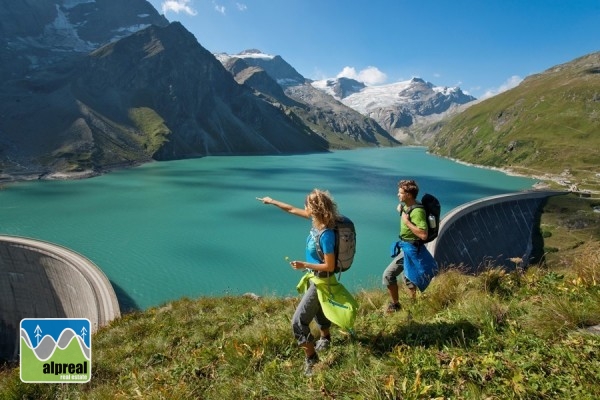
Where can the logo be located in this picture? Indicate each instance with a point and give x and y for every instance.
(56, 350)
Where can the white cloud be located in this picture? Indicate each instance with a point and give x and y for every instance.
(369, 75)
(510, 83)
(319, 75)
(241, 6)
(219, 8)
(178, 6)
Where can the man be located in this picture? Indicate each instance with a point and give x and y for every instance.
(412, 259)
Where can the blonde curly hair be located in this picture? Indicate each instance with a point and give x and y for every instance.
(322, 207)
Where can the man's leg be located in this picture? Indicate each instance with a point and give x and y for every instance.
(390, 280)
(393, 291)
(412, 291)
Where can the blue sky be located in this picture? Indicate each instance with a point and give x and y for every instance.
(483, 46)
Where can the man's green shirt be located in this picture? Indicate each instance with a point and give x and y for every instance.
(417, 217)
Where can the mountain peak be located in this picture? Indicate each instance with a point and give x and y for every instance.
(277, 68)
(254, 53)
(339, 88)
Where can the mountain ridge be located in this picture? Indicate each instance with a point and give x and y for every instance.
(146, 91)
(155, 94)
(548, 126)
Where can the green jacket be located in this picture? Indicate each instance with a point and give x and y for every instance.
(339, 306)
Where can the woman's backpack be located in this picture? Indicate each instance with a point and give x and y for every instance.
(345, 244)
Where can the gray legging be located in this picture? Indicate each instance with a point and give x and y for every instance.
(308, 309)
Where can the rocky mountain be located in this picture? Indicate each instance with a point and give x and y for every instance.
(279, 83)
(90, 85)
(549, 123)
(275, 66)
(41, 33)
(405, 109)
(340, 88)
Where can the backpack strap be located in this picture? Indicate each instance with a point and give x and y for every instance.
(411, 208)
(418, 242)
(320, 251)
(318, 245)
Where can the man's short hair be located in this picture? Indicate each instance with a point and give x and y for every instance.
(409, 186)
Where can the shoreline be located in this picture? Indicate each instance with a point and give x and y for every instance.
(8, 178)
(562, 180)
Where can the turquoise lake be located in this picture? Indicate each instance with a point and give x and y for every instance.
(193, 228)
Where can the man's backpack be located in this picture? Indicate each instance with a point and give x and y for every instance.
(345, 244)
(433, 210)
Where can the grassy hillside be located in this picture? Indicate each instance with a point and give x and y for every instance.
(549, 124)
(519, 335)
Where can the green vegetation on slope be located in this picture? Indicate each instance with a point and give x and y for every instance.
(549, 123)
(153, 126)
(499, 335)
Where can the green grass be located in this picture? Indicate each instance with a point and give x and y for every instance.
(149, 122)
(498, 335)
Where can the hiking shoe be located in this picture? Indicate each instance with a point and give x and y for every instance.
(322, 344)
(309, 363)
(393, 307)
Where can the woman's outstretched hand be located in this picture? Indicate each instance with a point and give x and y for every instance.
(265, 200)
(300, 212)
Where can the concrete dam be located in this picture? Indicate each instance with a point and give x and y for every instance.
(498, 231)
(44, 280)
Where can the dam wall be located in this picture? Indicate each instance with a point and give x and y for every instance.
(44, 280)
(497, 231)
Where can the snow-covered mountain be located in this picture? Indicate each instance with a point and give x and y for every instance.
(339, 88)
(403, 109)
(398, 107)
(279, 83)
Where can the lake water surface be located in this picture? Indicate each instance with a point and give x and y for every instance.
(194, 227)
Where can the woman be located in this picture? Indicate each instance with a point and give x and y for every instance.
(322, 210)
